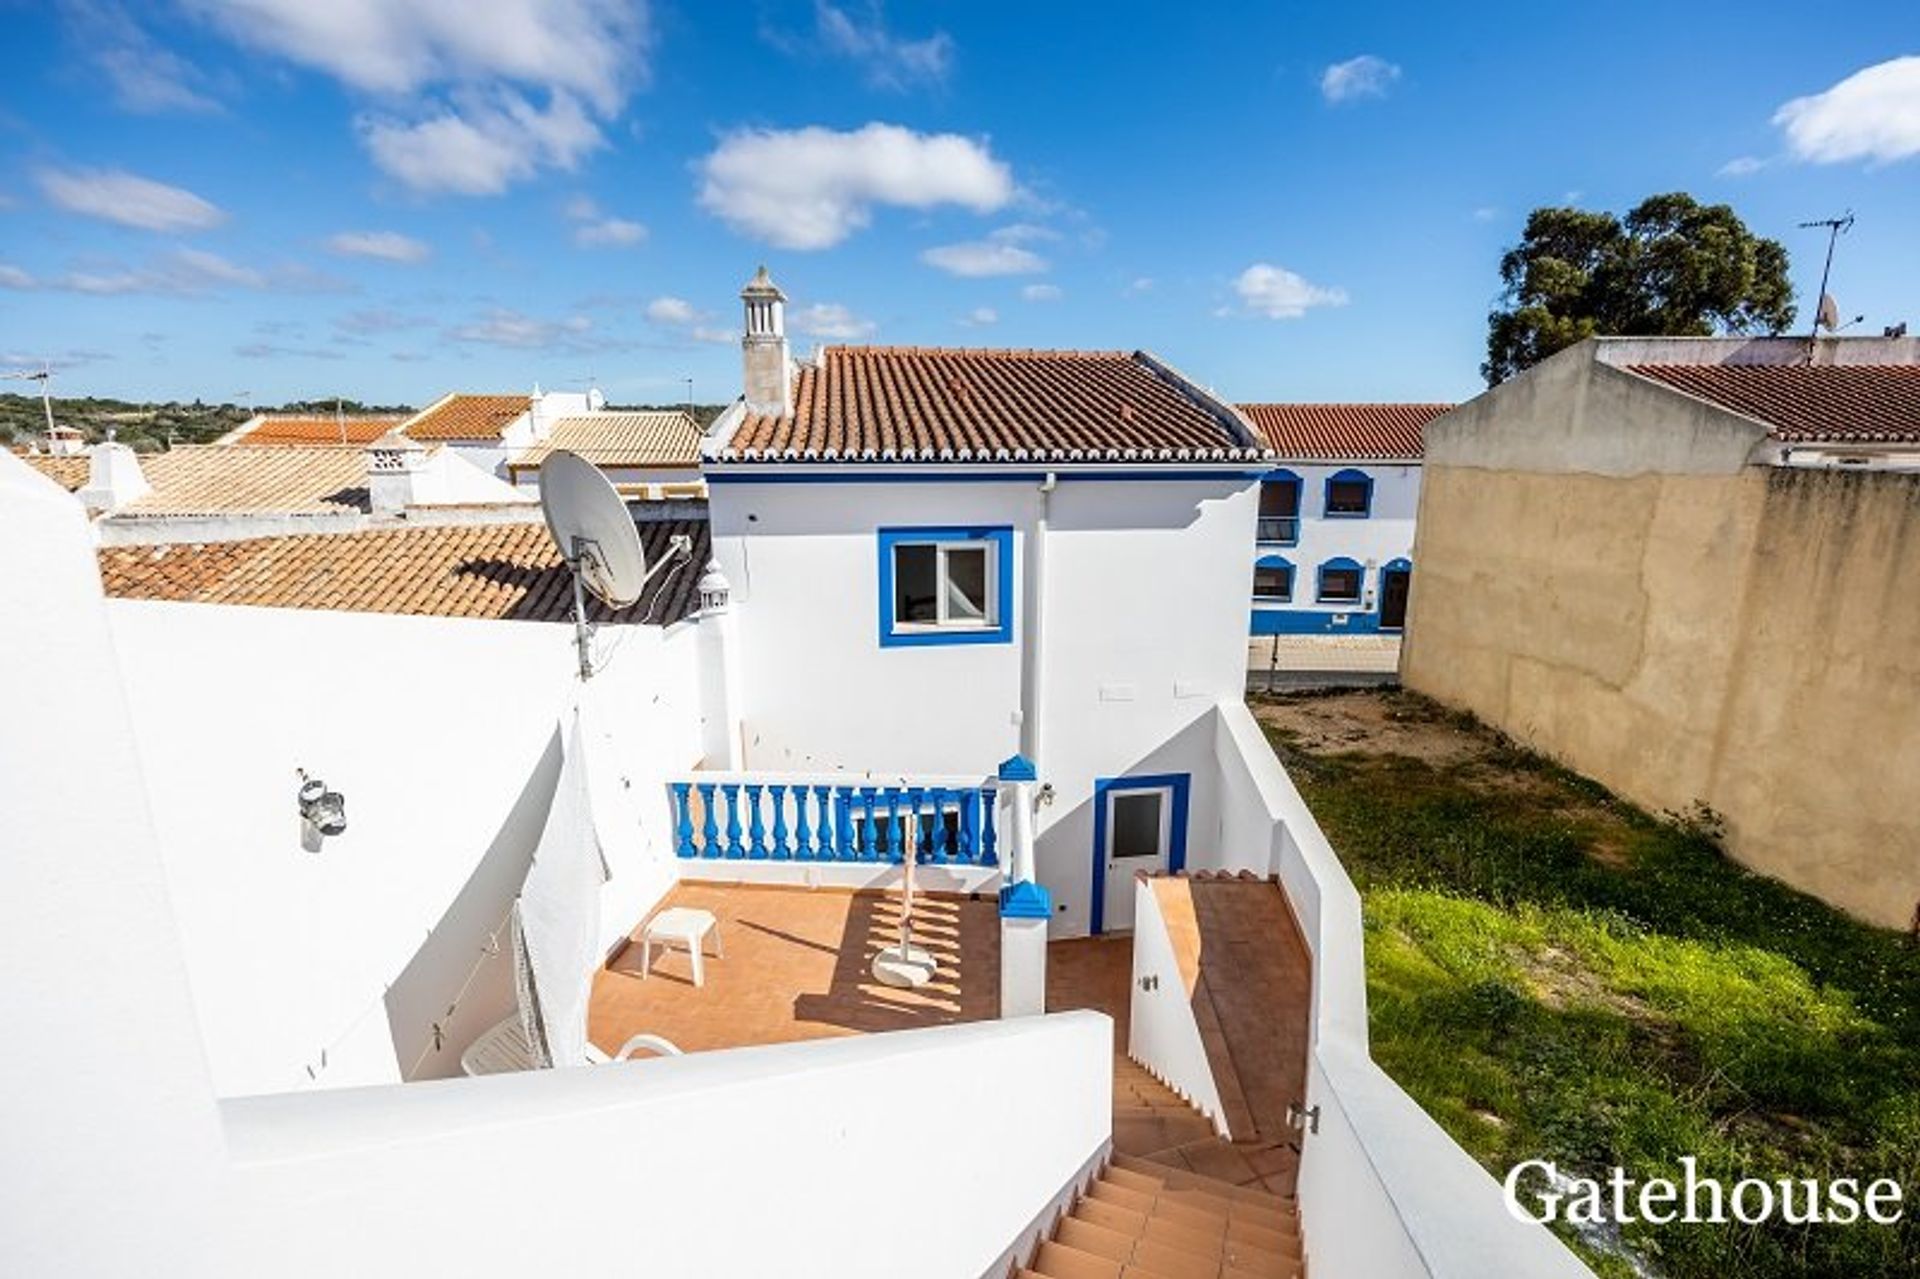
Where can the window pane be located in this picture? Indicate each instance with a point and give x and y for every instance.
(1276, 583)
(966, 584)
(1347, 497)
(1279, 498)
(1136, 824)
(1340, 584)
(915, 587)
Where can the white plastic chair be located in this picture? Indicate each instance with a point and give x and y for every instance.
(503, 1049)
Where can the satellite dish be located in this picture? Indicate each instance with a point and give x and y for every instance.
(591, 526)
(1829, 315)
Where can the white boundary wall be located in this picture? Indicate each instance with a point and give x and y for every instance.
(1384, 1192)
(331, 967)
(1163, 1034)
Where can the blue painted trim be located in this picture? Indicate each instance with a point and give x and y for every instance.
(1339, 562)
(1182, 786)
(969, 477)
(1307, 620)
(1349, 475)
(1400, 565)
(1018, 768)
(1276, 561)
(1025, 901)
(1283, 476)
(1001, 632)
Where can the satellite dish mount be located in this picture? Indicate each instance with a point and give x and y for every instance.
(598, 540)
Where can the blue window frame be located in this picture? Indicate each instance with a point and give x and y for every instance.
(1272, 579)
(1279, 518)
(945, 585)
(1341, 581)
(1181, 786)
(1349, 495)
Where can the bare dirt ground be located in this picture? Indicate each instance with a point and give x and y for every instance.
(1373, 722)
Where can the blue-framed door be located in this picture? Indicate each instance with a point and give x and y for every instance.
(1139, 823)
(1396, 582)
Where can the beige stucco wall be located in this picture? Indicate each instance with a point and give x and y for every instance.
(1748, 637)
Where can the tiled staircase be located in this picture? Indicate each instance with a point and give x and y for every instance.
(1143, 1220)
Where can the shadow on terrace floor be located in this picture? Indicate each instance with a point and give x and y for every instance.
(797, 967)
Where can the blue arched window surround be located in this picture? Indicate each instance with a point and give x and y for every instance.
(1279, 519)
(1349, 495)
(1272, 579)
(1401, 565)
(1341, 581)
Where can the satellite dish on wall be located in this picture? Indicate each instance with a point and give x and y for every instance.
(591, 526)
(1829, 315)
(599, 541)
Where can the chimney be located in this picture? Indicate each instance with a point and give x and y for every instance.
(396, 469)
(768, 383)
(114, 478)
(65, 441)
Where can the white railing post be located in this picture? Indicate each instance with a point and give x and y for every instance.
(1025, 906)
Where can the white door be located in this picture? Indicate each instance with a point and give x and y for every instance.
(1139, 836)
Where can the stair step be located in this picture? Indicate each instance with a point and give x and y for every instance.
(1058, 1261)
(1181, 1179)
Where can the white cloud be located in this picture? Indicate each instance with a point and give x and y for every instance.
(976, 258)
(378, 320)
(189, 273)
(980, 317)
(890, 61)
(1486, 213)
(673, 311)
(1137, 286)
(386, 246)
(115, 195)
(596, 230)
(1741, 166)
(12, 277)
(811, 188)
(210, 268)
(832, 321)
(592, 48)
(146, 77)
(275, 351)
(482, 145)
(503, 327)
(1872, 115)
(1041, 293)
(1366, 76)
(706, 333)
(1279, 294)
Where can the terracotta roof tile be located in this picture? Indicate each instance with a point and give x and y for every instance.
(1344, 432)
(69, 472)
(318, 428)
(1808, 404)
(932, 404)
(467, 417)
(499, 571)
(213, 479)
(651, 438)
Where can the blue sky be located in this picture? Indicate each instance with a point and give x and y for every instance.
(392, 198)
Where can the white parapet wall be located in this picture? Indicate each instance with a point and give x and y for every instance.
(1163, 1034)
(932, 1153)
(1384, 1191)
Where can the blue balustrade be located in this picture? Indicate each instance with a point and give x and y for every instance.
(815, 822)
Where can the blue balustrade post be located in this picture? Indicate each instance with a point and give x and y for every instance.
(868, 798)
(964, 835)
(732, 791)
(936, 841)
(777, 796)
(756, 828)
(989, 836)
(802, 836)
(843, 823)
(709, 824)
(682, 822)
(915, 846)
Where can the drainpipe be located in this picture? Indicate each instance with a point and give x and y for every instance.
(1033, 683)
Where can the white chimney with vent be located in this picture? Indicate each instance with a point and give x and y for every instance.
(114, 478)
(768, 382)
(396, 474)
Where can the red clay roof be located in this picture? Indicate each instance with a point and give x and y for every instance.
(1343, 432)
(466, 417)
(319, 428)
(503, 571)
(905, 404)
(1808, 404)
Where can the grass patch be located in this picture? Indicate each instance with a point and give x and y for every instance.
(1555, 974)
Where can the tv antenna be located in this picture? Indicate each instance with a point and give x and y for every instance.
(1826, 311)
(598, 540)
(44, 376)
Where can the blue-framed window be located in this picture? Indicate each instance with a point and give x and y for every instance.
(1341, 581)
(946, 585)
(1272, 579)
(1349, 495)
(1279, 519)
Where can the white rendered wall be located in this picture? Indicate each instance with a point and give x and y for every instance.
(330, 968)
(1145, 621)
(1385, 535)
(1162, 1032)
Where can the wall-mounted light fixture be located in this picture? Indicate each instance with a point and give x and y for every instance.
(324, 811)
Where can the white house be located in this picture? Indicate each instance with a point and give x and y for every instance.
(491, 430)
(1332, 552)
(647, 453)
